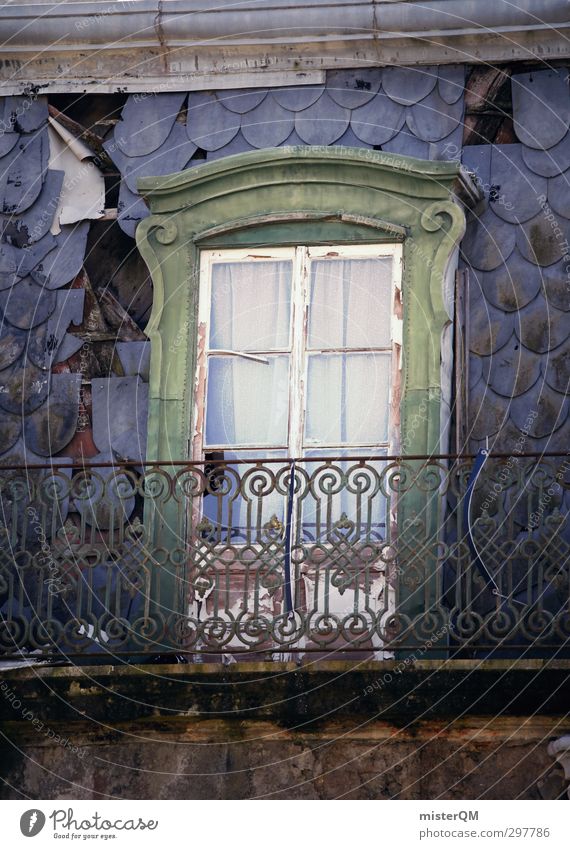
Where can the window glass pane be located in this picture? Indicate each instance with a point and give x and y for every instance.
(251, 305)
(350, 303)
(347, 398)
(247, 401)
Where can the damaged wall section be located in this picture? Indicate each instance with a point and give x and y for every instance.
(63, 339)
(64, 290)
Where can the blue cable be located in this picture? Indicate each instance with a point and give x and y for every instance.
(288, 531)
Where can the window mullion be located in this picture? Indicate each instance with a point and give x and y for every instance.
(297, 378)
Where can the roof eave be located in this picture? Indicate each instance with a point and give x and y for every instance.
(138, 45)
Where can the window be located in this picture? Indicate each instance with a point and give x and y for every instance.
(298, 358)
(297, 363)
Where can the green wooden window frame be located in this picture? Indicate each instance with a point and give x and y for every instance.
(301, 195)
(297, 196)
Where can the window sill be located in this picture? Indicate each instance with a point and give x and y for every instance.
(289, 693)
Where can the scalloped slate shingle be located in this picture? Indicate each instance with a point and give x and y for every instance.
(120, 409)
(551, 162)
(172, 155)
(353, 88)
(488, 241)
(12, 343)
(512, 370)
(539, 243)
(551, 409)
(51, 427)
(64, 261)
(297, 98)
(512, 285)
(488, 412)
(8, 139)
(38, 410)
(379, 120)
(33, 224)
(358, 107)
(540, 327)
(16, 262)
(25, 113)
(541, 107)
(409, 85)
(559, 194)
(22, 173)
(25, 305)
(556, 286)
(451, 82)
(23, 387)
(237, 145)
(520, 272)
(489, 328)
(146, 122)
(210, 125)
(268, 125)
(515, 244)
(241, 100)
(322, 123)
(515, 189)
(432, 118)
(348, 139)
(556, 369)
(518, 286)
(407, 144)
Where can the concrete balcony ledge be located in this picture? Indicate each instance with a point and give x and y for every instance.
(136, 45)
(286, 693)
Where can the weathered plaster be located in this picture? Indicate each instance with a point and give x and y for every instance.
(250, 730)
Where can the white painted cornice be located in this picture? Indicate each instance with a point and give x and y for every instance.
(135, 45)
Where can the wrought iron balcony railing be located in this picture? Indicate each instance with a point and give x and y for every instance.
(381, 556)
